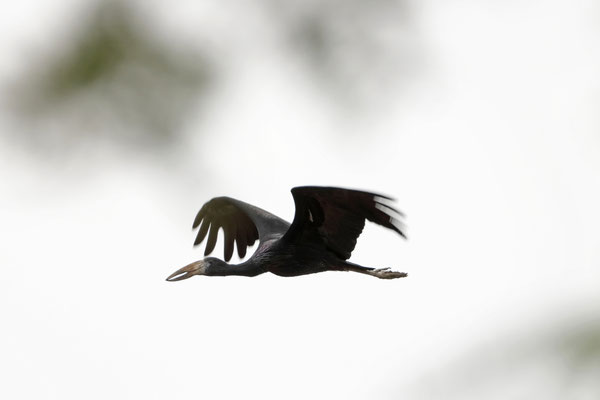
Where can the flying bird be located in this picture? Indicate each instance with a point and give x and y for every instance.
(326, 225)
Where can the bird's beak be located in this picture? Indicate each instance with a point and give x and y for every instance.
(195, 268)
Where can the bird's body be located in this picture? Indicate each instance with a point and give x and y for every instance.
(321, 238)
(286, 259)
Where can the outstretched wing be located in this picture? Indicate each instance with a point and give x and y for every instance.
(241, 222)
(336, 217)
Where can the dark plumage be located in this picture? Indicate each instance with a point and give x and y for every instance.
(322, 235)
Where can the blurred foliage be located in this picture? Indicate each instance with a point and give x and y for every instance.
(355, 48)
(113, 80)
(579, 347)
(574, 351)
(557, 361)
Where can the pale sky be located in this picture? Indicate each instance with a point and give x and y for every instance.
(493, 152)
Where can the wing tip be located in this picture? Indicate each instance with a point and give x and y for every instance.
(398, 227)
(197, 219)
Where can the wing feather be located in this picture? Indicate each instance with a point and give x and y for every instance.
(228, 231)
(242, 225)
(335, 217)
(212, 238)
(202, 232)
(242, 242)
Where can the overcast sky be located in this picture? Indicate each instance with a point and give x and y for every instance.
(491, 147)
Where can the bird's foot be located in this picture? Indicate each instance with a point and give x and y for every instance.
(386, 273)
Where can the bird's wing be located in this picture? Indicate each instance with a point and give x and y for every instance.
(336, 217)
(241, 222)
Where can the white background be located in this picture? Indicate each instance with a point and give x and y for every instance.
(492, 151)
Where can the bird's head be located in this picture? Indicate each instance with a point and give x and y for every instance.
(200, 267)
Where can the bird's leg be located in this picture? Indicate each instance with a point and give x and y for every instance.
(386, 273)
(381, 273)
